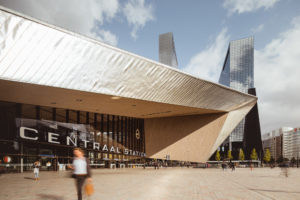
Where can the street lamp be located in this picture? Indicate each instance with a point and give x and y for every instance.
(298, 156)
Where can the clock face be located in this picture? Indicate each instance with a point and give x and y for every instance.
(137, 134)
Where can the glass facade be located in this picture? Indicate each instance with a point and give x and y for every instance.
(167, 52)
(238, 73)
(30, 133)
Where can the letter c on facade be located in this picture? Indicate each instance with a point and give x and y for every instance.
(22, 133)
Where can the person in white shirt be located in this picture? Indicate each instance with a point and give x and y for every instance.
(81, 170)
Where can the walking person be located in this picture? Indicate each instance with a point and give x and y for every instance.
(223, 165)
(233, 166)
(284, 169)
(36, 169)
(81, 170)
(251, 166)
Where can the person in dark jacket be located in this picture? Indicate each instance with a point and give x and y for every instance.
(81, 170)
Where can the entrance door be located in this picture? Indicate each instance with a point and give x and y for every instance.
(48, 160)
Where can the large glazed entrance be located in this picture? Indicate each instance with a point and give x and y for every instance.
(49, 135)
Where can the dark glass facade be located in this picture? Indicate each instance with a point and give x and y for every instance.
(238, 73)
(49, 134)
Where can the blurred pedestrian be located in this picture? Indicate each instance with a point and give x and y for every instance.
(251, 166)
(223, 165)
(284, 168)
(36, 169)
(232, 166)
(81, 170)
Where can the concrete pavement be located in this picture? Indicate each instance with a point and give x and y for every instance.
(162, 184)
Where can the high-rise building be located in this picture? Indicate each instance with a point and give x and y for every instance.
(167, 53)
(237, 73)
(291, 143)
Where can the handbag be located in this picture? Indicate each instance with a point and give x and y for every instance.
(89, 189)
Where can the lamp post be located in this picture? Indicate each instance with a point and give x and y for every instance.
(298, 156)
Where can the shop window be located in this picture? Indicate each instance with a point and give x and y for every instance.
(60, 115)
(83, 117)
(72, 117)
(46, 113)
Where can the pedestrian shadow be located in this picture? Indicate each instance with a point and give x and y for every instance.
(283, 191)
(50, 197)
(29, 178)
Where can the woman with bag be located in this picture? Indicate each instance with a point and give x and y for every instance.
(81, 171)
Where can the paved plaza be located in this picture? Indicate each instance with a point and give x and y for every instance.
(162, 184)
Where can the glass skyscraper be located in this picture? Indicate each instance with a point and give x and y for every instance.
(237, 73)
(167, 52)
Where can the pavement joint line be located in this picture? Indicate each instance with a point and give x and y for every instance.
(245, 187)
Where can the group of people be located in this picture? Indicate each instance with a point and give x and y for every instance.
(230, 165)
(81, 170)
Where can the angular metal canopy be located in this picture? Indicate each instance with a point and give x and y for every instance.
(41, 64)
(39, 54)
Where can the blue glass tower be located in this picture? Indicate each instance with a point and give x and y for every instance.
(238, 73)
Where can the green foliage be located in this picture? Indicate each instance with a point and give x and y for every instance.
(218, 157)
(229, 155)
(253, 155)
(267, 157)
(241, 155)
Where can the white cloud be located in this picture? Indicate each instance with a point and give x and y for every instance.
(137, 14)
(207, 64)
(277, 73)
(106, 36)
(75, 15)
(258, 29)
(242, 6)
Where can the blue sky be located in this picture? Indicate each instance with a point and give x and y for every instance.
(202, 31)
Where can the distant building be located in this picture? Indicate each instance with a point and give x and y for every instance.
(291, 143)
(273, 142)
(283, 142)
(167, 52)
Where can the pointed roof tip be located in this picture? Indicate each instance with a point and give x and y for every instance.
(243, 38)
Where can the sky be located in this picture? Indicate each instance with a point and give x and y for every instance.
(202, 31)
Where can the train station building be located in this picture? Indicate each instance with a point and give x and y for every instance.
(60, 90)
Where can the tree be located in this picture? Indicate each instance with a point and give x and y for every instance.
(253, 155)
(241, 155)
(229, 156)
(218, 157)
(267, 157)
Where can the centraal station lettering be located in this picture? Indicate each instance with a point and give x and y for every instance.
(54, 138)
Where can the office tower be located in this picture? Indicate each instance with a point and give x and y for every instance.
(238, 73)
(167, 53)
